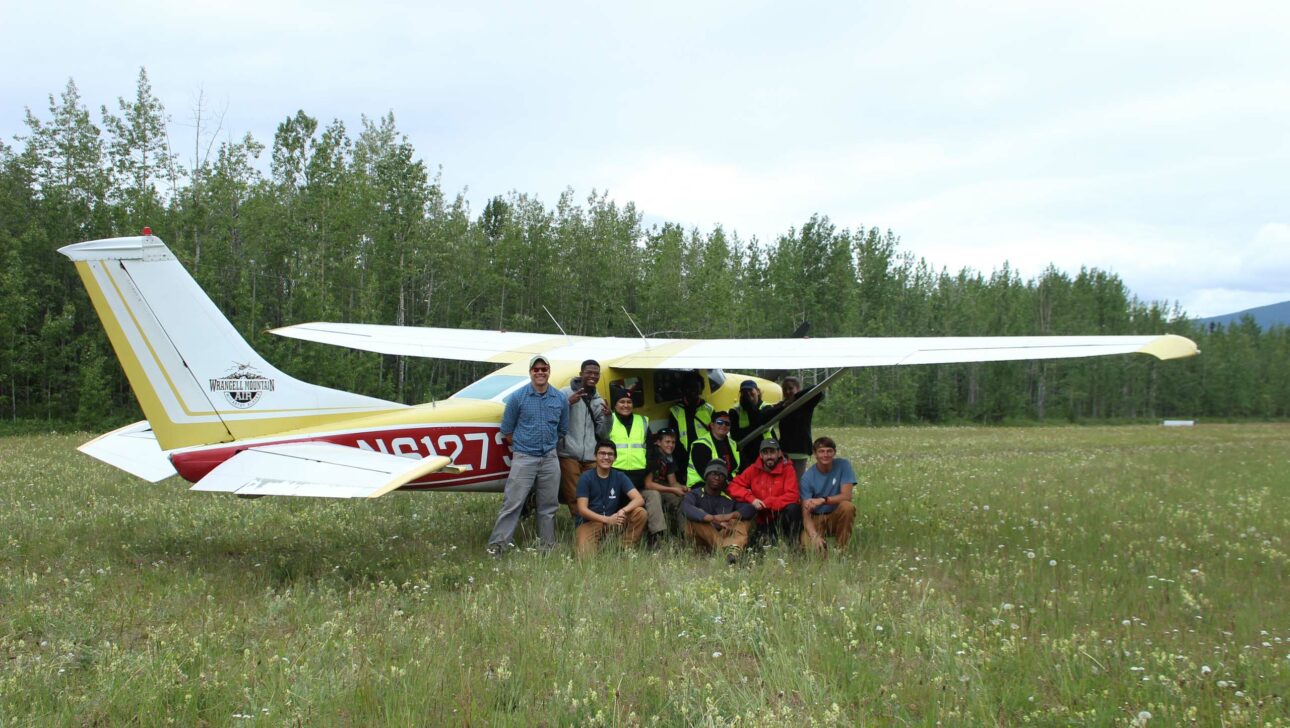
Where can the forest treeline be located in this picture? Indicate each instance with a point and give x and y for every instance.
(350, 225)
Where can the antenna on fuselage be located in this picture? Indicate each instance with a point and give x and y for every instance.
(634, 326)
(557, 324)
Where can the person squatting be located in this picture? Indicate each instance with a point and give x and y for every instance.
(690, 479)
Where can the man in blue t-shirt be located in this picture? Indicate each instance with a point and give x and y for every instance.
(826, 489)
(607, 501)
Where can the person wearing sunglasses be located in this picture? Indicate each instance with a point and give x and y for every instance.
(535, 418)
(713, 445)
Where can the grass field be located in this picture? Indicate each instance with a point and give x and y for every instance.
(1048, 576)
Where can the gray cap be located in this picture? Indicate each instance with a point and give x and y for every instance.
(770, 444)
(747, 384)
(716, 466)
(539, 358)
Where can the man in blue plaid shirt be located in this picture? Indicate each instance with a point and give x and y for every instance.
(535, 418)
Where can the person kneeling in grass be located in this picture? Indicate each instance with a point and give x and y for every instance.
(713, 520)
(826, 497)
(663, 489)
(607, 501)
(771, 488)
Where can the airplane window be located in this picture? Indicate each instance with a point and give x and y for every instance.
(490, 387)
(668, 383)
(716, 378)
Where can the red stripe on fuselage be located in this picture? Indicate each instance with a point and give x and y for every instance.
(477, 449)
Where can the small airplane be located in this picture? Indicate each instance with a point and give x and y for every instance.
(225, 419)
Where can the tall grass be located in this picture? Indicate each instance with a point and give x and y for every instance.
(1102, 575)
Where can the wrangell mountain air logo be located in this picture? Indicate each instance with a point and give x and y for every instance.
(242, 386)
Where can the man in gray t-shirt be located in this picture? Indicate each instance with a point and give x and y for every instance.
(826, 490)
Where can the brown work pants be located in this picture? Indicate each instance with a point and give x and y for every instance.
(837, 523)
(660, 506)
(589, 537)
(570, 470)
(706, 537)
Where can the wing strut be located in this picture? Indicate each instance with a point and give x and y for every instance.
(634, 326)
(557, 325)
(814, 392)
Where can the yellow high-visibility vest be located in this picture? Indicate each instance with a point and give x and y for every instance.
(702, 415)
(746, 423)
(694, 477)
(631, 446)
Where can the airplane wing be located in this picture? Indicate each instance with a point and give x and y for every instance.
(317, 469)
(828, 353)
(501, 347)
(738, 354)
(134, 449)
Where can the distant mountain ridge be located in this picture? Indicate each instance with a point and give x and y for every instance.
(1273, 314)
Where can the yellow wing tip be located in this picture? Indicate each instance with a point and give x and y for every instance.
(1170, 346)
(427, 466)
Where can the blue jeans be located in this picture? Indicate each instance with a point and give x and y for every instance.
(528, 472)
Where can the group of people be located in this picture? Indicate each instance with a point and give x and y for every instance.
(618, 479)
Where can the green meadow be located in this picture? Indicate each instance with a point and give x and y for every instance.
(1000, 576)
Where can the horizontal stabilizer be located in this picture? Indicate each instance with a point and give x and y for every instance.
(134, 449)
(318, 470)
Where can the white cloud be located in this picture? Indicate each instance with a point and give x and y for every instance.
(1146, 138)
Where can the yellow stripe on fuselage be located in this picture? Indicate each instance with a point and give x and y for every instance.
(170, 434)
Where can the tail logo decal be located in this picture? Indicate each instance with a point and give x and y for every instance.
(242, 386)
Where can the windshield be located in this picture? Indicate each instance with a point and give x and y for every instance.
(491, 387)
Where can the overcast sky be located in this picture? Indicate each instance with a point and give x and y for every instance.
(1151, 139)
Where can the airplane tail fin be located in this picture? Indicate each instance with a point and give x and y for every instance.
(196, 378)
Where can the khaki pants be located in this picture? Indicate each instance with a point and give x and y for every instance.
(707, 538)
(570, 470)
(661, 507)
(837, 524)
(529, 473)
(589, 537)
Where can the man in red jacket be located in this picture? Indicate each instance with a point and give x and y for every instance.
(771, 487)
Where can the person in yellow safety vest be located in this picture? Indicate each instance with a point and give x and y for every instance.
(690, 416)
(629, 433)
(714, 445)
(747, 416)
